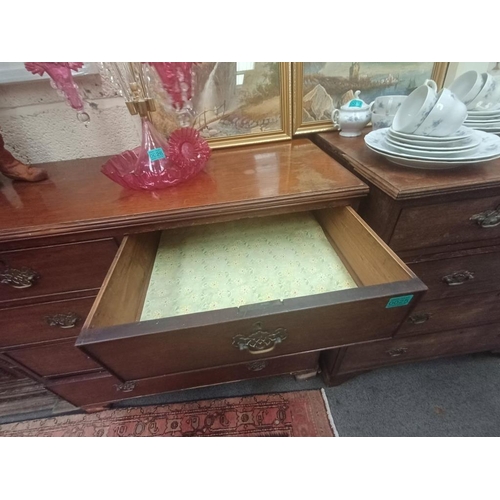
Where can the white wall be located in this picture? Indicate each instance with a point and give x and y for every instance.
(39, 126)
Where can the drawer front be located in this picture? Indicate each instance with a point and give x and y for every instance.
(147, 349)
(452, 313)
(389, 352)
(54, 360)
(447, 224)
(36, 272)
(99, 389)
(43, 322)
(479, 272)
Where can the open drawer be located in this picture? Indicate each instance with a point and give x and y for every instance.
(346, 287)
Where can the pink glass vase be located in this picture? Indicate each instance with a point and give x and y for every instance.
(159, 163)
(62, 79)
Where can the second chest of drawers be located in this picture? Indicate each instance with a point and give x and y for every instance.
(445, 225)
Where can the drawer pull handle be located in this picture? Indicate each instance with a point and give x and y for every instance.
(125, 387)
(458, 278)
(419, 318)
(489, 218)
(257, 366)
(68, 320)
(18, 278)
(399, 351)
(259, 341)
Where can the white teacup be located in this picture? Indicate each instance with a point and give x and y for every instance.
(445, 118)
(415, 108)
(381, 120)
(489, 95)
(467, 86)
(387, 104)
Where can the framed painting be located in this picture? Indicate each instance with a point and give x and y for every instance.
(237, 103)
(320, 87)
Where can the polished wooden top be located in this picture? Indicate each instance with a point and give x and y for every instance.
(79, 198)
(404, 182)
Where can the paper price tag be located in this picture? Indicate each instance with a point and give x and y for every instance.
(156, 154)
(404, 300)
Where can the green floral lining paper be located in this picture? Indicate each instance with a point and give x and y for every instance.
(215, 266)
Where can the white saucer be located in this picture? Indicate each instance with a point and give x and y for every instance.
(465, 143)
(472, 142)
(462, 133)
(489, 149)
(443, 152)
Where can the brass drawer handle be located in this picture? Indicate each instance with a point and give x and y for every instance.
(259, 341)
(489, 218)
(399, 351)
(257, 366)
(125, 387)
(458, 278)
(18, 278)
(419, 318)
(68, 320)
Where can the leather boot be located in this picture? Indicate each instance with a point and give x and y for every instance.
(14, 169)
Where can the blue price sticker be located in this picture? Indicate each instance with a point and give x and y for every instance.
(156, 154)
(404, 300)
(356, 103)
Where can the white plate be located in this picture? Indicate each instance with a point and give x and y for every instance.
(488, 149)
(493, 130)
(485, 112)
(433, 165)
(483, 125)
(432, 152)
(463, 132)
(484, 122)
(482, 119)
(468, 142)
(473, 141)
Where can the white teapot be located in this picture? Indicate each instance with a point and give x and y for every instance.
(352, 117)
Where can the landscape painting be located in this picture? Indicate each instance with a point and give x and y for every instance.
(236, 103)
(320, 87)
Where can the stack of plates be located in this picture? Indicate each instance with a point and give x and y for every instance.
(487, 120)
(467, 146)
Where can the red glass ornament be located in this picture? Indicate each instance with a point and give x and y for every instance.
(158, 163)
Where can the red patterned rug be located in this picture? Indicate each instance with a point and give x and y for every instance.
(303, 413)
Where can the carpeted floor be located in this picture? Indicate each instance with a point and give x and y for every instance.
(447, 397)
(285, 414)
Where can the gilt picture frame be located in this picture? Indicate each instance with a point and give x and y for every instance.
(237, 104)
(318, 88)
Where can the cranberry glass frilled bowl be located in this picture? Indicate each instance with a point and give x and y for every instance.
(173, 161)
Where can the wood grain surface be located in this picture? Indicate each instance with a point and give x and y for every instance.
(28, 324)
(449, 343)
(238, 182)
(403, 182)
(61, 269)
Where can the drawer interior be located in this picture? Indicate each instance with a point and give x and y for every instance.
(237, 263)
(241, 263)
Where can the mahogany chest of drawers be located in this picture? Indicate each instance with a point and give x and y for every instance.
(445, 225)
(77, 251)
